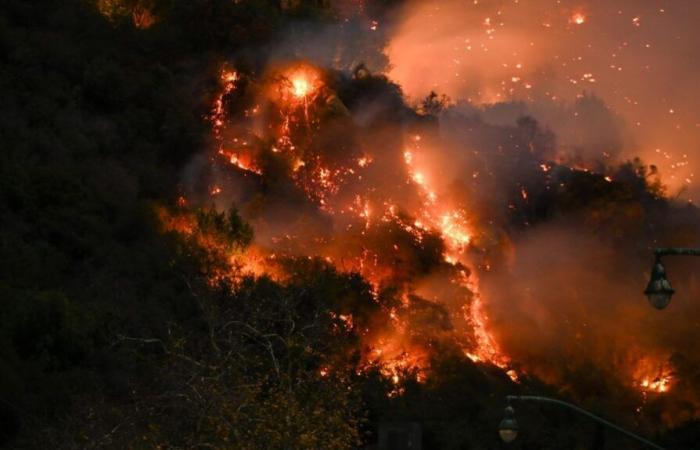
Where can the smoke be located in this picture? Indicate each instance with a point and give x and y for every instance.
(589, 133)
(509, 201)
(568, 257)
(634, 55)
(570, 303)
(340, 45)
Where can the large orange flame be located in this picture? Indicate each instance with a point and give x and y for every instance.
(366, 220)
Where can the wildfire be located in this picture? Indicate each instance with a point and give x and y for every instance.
(449, 221)
(487, 349)
(218, 114)
(452, 226)
(301, 82)
(237, 263)
(395, 361)
(454, 230)
(141, 12)
(380, 236)
(219, 120)
(653, 376)
(300, 86)
(658, 384)
(243, 161)
(369, 197)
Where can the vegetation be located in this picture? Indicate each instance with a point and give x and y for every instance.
(110, 335)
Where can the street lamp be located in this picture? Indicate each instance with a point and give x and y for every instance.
(659, 290)
(508, 429)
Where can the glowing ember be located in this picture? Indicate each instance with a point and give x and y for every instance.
(300, 86)
(578, 18)
(302, 82)
(487, 349)
(237, 262)
(658, 384)
(394, 361)
(364, 161)
(454, 230)
(653, 377)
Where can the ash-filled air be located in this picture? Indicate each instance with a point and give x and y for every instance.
(491, 222)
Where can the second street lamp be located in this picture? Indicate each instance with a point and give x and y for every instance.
(508, 429)
(659, 290)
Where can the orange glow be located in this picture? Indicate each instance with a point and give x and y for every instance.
(653, 376)
(140, 11)
(578, 18)
(658, 384)
(300, 86)
(236, 263)
(243, 161)
(375, 236)
(487, 349)
(302, 82)
(452, 225)
(395, 360)
(417, 207)
(142, 17)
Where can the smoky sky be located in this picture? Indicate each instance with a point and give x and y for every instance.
(607, 81)
(638, 56)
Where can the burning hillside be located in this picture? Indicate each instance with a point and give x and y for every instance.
(431, 204)
(292, 224)
(332, 165)
(365, 199)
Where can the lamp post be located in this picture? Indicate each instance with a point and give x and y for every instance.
(659, 290)
(508, 429)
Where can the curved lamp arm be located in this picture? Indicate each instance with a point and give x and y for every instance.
(677, 251)
(535, 398)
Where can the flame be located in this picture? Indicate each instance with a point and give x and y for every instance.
(376, 231)
(237, 263)
(659, 384)
(301, 82)
(243, 161)
(300, 86)
(142, 17)
(653, 376)
(453, 227)
(395, 359)
(140, 11)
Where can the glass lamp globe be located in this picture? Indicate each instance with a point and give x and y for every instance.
(659, 290)
(508, 429)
